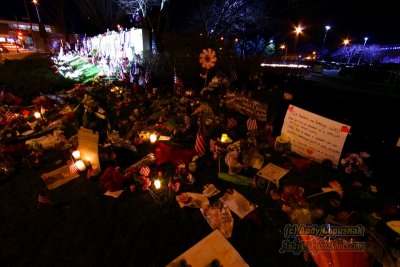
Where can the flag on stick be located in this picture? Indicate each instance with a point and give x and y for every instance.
(231, 123)
(43, 200)
(177, 81)
(72, 167)
(9, 116)
(178, 84)
(145, 171)
(90, 171)
(186, 119)
(233, 75)
(200, 145)
(251, 124)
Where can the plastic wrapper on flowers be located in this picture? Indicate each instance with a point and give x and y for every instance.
(232, 158)
(292, 198)
(219, 217)
(356, 163)
(192, 200)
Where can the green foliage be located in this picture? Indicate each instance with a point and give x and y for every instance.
(31, 76)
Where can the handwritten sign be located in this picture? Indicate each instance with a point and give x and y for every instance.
(246, 106)
(314, 136)
(88, 145)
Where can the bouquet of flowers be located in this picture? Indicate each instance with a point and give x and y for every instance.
(356, 163)
(293, 198)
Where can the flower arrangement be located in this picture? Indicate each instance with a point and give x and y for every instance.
(292, 198)
(356, 163)
(218, 82)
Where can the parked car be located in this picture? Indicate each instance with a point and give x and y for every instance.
(3, 49)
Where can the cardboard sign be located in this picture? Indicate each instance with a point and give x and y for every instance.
(272, 172)
(213, 247)
(314, 136)
(88, 145)
(247, 106)
(58, 177)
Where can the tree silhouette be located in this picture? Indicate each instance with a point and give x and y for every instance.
(101, 14)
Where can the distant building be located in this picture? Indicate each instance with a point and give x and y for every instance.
(28, 35)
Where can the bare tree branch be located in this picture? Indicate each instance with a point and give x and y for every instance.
(101, 13)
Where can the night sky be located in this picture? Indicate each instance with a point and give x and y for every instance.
(353, 19)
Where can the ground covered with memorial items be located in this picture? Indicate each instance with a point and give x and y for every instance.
(113, 173)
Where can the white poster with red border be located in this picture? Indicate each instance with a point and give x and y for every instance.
(313, 136)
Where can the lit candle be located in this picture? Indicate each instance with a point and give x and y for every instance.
(224, 138)
(81, 166)
(153, 138)
(76, 154)
(157, 184)
(37, 115)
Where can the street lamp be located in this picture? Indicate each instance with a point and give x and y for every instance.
(297, 31)
(346, 42)
(284, 47)
(327, 28)
(30, 24)
(35, 2)
(42, 30)
(365, 42)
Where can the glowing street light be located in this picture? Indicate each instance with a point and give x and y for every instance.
(346, 42)
(284, 47)
(365, 42)
(297, 30)
(35, 2)
(327, 28)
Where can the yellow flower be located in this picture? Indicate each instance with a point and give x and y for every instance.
(207, 58)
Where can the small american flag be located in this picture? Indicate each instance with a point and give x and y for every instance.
(145, 171)
(252, 124)
(186, 120)
(9, 116)
(72, 167)
(214, 148)
(147, 77)
(233, 76)
(90, 171)
(269, 127)
(44, 200)
(177, 81)
(200, 145)
(231, 123)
